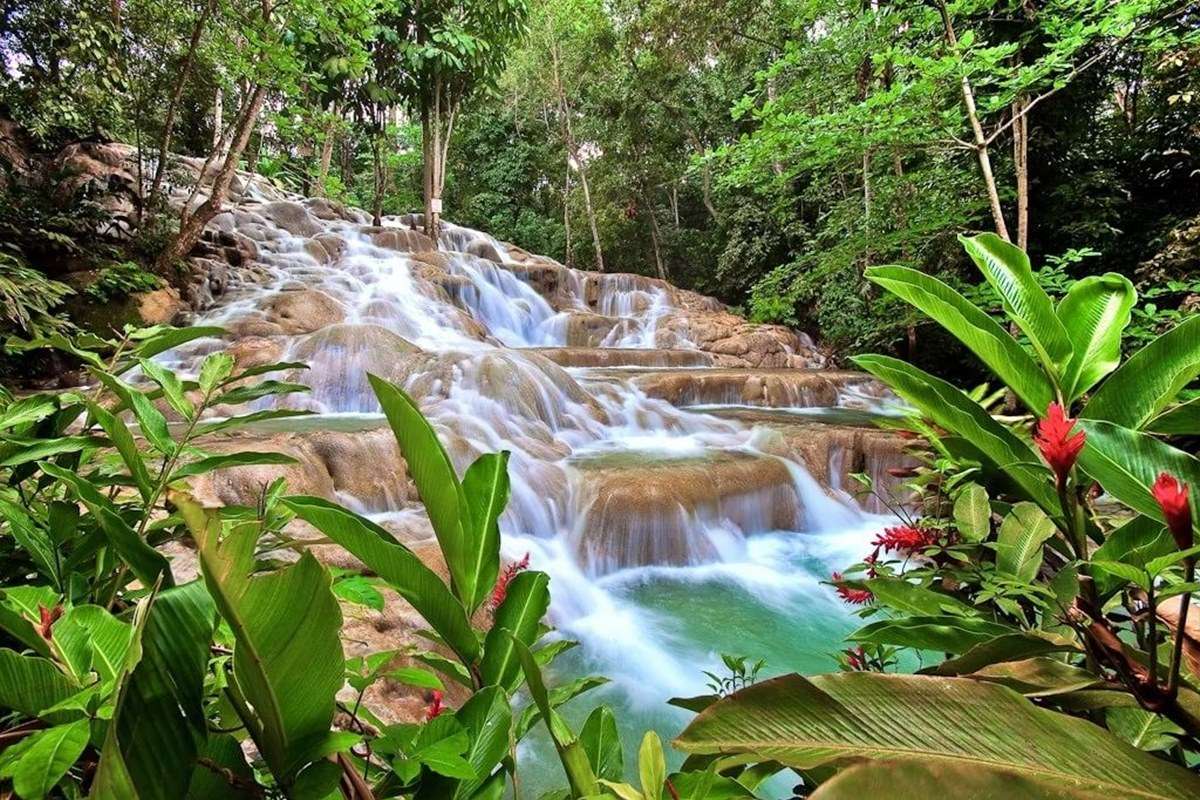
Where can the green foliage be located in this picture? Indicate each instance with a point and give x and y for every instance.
(28, 299)
(121, 280)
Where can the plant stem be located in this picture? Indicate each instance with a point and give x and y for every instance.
(1181, 628)
(1153, 646)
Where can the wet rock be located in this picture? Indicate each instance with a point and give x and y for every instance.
(585, 329)
(772, 388)
(159, 307)
(292, 217)
(402, 240)
(304, 311)
(484, 249)
(624, 357)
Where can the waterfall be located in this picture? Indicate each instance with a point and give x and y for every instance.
(672, 531)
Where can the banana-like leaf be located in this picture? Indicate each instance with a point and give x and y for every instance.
(1127, 462)
(287, 656)
(909, 598)
(437, 484)
(31, 684)
(519, 616)
(159, 725)
(485, 486)
(1009, 647)
(947, 634)
(939, 723)
(48, 757)
(910, 779)
(1019, 542)
(982, 335)
(1150, 379)
(145, 562)
(1138, 542)
(948, 407)
(487, 716)
(397, 565)
(89, 638)
(1182, 420)
(1006, 268)
(1038, 677)
(1095, 312)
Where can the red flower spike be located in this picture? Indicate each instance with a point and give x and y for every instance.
(435, 705)
(1172, 497)
(1057, 444)
(47, 618)
(855, 597)
(907, 539)
(856, 659)
(501, 590)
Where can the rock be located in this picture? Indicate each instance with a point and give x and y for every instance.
(585, 329)
(159, 307)
(484, 249)
(401, 240)
(625, 357)
(204, 280)
(775, 388)
(303, 311)
(292, 217)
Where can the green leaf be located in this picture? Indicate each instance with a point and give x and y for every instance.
(909, 779)
(937, 633)
(1006, 268)
(487, 716)
(1142, 729)
(1180, 420)
(1009, 647)
(215, 368)
(48, 758)
(486, 488)
(437, 484)
(19, 451)
(150, 420)
(124, 442)
(558, 696)
(359, 590)
(32, 539)
(228, 460)
(90, 638)
(1095, 311)
(164, 339)
(287, 656)
(397, 565)
(908, 598)
(1037, 677)
(1136, 543)
(146, 562)
(31, 684)
(601, 742)
(652, 766)
(244, 394)
(973, 513)
(1152, 377)
(948, 407)
(159, 725)
(172, 388)
(975, 329)
(947, 722)
(518, 617)
(1127, 462)
(1019, 542)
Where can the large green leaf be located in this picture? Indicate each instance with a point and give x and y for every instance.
(485, 486)
(934, 722)
(150, 420)
(950, 408)
(1150, 379)
(973, 513)
(1138, 542)
(49, 756)
(438, 485)
(909, 598)
(159, 726)
(1009, 647)
(1019, 542)
(602, 743)
(145, 562)
(124, 442)
(397, 565)
(90, 638)
(519, 617)
(947, 634)
(31, 684)
(1180, 420)
(1127, 462)
(1095, 311)
(908, 779)
(229, 460)
(487, 716)
(287, 656)
(975, 329)
(1006, 268)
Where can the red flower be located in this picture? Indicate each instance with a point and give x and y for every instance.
(1172, 498)
(1058, 446)
(904, 539)
(47, 618)
(435, 705)
(855, 597)
(510, 572)
(856, 659)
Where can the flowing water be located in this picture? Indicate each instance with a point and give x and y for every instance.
(673, 531)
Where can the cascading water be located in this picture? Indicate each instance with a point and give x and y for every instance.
(671, 534)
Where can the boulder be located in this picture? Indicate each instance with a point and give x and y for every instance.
(304, 311)
(291, 217)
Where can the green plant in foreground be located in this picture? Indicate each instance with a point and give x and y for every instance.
(1048, 624)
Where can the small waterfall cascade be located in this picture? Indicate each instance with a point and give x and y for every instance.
(683, 502)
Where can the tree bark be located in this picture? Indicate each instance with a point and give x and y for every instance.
(164, 144)
(573, 155)
(192, 224)
(326, 153)
(981, 144)
(218, 117)
(654, 241)
(1021, 167)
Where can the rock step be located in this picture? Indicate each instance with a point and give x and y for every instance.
(771, 388)
(623, 357)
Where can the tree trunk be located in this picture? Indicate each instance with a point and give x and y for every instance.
(377, 185)
(191, 225)
(326, 154)
(654, 241)
(569, 256)
(1021, 167)
(573, 155)
(675, 203)
(981, 147)
(164, 144)
(428, 150)
(218, 117)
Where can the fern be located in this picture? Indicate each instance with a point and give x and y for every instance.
(28, 298)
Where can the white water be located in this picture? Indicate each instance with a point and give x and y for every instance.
(484, 396)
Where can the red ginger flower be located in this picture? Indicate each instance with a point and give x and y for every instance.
(435, 705)
(1172, 497)
(855, 597)
(856, 659)
(1058, 446)
(47, 618)
(904, 539)
(510, 572)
